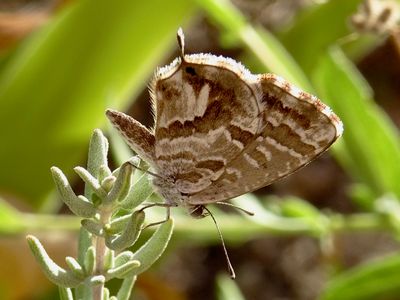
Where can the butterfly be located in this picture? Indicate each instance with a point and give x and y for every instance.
(221, 131)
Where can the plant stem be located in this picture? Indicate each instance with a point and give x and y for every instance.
(105, 216)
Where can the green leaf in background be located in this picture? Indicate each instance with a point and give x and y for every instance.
(262, 44)
(9, 218)
(370, 140)
(378, 279)
(227, 289)
(318, 28)
(56, 86)
(154, 247)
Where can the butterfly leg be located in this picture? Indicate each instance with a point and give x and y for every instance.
(168, 216)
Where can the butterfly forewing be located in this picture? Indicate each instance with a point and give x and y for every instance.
(205, 116)
(139, 138)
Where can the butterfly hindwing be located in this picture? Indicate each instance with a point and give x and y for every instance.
(296, 128)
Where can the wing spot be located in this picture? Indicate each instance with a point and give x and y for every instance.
(251, 161)
(191, 71)
(265, 152)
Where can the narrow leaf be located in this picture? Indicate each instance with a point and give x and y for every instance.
(227, 289)
(80, 206)
(154, 247)
(130, 234)
(53, 272)
(97, 279)
(109, 259)
(75, 267)
(90, 260)
(260, 42)
(123, 257)
(327, 22)
(121, 185)
(93, 227)
(124, 292)
(122, 270)
(98, 150)
(106, 294)
(370, 148)
(139, 192)
(65, 293)
(91, 181)
(379, 279)
(117, 225)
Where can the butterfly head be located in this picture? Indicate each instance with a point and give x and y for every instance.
(198, 211)
(166, 187)
(168, 190)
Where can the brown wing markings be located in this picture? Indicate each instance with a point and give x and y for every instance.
(223, 107)
(280, 163)
(138, 137)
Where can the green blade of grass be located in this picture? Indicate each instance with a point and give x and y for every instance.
(379, 279)
(370, 141)
(227, 289)
(259, 42)
(318, 28)
(9, 219)
(55, 87)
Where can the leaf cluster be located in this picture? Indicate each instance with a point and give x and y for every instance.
(111, 223)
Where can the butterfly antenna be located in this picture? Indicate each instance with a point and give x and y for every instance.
(181, 42)
(228, 261)
(250, 213)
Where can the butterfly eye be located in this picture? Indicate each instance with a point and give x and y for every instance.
(190, 70)
(198, 212)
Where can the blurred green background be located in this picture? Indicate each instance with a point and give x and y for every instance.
(330, 231)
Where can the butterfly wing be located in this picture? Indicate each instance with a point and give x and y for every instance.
(296, 128)
(139, 138)
(221, 132)
(202, 122)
